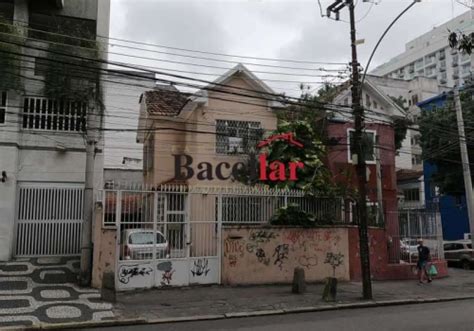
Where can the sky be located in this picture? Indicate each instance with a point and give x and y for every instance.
(277, 29)
(288, 29)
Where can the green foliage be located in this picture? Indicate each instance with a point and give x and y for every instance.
(463, 42)
(10, 64)
(400, 125)
(67, 76)
(440, 144)
(293, 215)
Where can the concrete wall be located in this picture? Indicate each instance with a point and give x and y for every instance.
(121, 104)
(256, 255)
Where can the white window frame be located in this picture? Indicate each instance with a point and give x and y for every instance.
(349, 156)
(240, 150)
(4, 108)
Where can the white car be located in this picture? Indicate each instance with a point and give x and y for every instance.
(137, 244)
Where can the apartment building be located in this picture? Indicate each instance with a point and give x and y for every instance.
(43, 110)
(430, 56)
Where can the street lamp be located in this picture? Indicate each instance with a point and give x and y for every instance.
(381, 38)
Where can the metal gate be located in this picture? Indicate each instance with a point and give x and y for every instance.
(49, 220)
(165, 238)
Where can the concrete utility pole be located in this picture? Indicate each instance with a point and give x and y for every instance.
(86, 243)
(359, 148)
(465, 162)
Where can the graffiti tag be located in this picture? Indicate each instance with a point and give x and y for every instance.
(280, 254)
(126, 272)
(233, 246)
(168, 271)
(201, 267)
(261, 256)
(308, 262)
(262, 236)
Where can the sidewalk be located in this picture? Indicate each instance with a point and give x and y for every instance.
(221, 302)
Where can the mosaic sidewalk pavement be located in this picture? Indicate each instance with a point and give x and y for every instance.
(44, 290)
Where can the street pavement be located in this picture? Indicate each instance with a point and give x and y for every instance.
(43, 290)
(215, 300)
(455, 315)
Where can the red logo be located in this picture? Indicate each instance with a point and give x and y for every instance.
(282, 136)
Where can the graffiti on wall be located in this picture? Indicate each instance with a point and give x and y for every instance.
(168, 271)
(262, 236)
(280, 254)
(200, 267)
(271, 250)
(308, 261)
(127, 272)
(334, 260)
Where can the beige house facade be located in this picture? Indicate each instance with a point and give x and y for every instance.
(200, 139)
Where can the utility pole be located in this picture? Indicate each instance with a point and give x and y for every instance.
(359, 148)
(85, 275)
(465, 162)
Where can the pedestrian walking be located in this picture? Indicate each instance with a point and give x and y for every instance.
(423, 259)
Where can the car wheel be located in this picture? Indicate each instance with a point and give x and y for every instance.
(466, 265)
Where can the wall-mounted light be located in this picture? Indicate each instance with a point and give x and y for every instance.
(4, 176)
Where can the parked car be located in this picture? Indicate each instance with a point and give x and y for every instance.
(408, 249)
(459, 252)
(137, 244)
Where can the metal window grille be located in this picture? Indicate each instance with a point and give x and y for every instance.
(237, 137)
(54, 115)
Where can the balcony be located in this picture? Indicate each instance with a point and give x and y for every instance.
(465, 58)
(418, 65)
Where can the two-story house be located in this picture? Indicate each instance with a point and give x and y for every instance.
(200, 139)
(42, 122)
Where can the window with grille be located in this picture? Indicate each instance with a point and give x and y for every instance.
(3, 107)
(54, 115)
(237, 137)
(412, 194)
(368, 143)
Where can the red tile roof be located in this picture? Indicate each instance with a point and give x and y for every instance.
(165, 102)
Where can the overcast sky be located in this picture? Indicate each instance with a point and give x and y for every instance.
(289, 29)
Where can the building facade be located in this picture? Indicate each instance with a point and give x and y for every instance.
(453, 209)
(430, 56)
(42, 131)
(199, 139)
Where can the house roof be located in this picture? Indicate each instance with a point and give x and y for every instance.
(407, 175)
(165, 101)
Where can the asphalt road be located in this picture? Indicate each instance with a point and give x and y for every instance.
(455, 315)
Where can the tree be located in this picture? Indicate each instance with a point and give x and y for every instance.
(461, 41)
(400, 125)
(440, 143)
(306, 121)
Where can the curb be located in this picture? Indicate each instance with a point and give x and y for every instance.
(297, 310)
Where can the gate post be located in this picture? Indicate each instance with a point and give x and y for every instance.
(219, 236)
(118, 225)
(155, 220)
